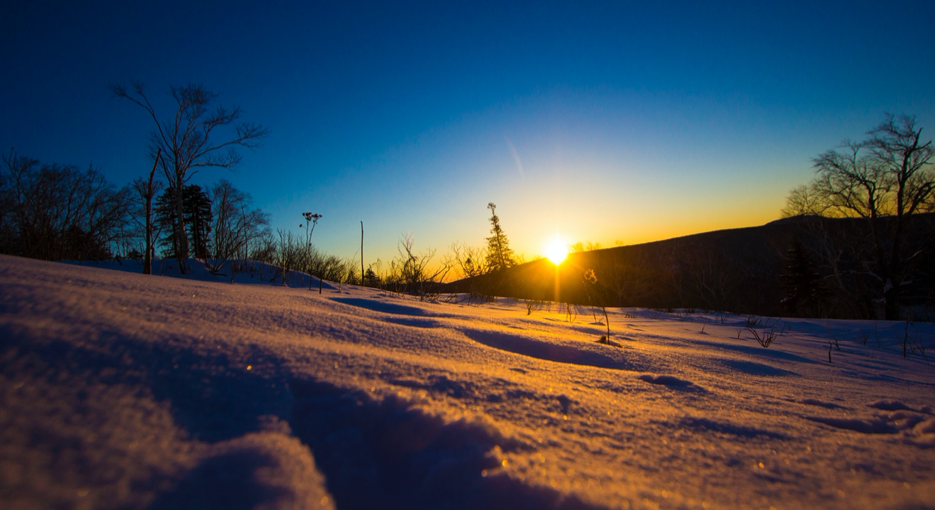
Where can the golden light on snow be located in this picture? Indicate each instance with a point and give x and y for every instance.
(556, 250)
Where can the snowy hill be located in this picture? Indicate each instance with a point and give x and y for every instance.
(121, 390)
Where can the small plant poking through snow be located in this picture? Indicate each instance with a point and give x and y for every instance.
(831, 334)
(532, 304)
(766, 338)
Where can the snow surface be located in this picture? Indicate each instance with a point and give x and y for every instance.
(119, 390)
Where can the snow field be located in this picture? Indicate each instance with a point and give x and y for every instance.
(126, 391)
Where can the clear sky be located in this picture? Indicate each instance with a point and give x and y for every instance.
(613, 122)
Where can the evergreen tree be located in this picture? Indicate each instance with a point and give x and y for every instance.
(164, 219)
(196, 207)
(371, 279)
(197, 217)
(499, 254)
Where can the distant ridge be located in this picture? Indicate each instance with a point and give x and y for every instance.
(738, 270)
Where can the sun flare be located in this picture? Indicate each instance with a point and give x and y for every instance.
(556, 250)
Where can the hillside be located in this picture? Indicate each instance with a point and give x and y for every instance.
(738, 270)
(127, 391)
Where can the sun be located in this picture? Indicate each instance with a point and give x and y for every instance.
(556, 250)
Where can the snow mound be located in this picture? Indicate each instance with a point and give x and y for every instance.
(388, 453)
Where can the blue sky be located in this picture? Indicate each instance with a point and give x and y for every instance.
(609, 122)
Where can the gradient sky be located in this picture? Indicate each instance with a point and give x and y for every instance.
(612, 122)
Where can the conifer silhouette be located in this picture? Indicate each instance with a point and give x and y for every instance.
(499, 254)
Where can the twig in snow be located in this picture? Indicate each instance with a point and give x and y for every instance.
(830, 332)
(863, 336)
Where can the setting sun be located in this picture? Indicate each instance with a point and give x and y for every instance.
(556, 250)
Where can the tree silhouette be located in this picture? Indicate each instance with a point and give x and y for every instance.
(887, 176)
(55, 212)
(198, 217)
(147, 189)
(236, 223)
(499, 254)
(189, 141)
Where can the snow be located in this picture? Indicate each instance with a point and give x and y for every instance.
(119, 390)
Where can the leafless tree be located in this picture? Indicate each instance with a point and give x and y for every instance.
(236, 224)
(147, 190)
(888, 175)
(581, 247)
(473, 263)
(57, 212)
(190, 141)
(414, 269)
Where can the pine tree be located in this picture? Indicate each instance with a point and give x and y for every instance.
(165, 221)
(499, 254)
(371, 279)
(196, 207)
(197, 217)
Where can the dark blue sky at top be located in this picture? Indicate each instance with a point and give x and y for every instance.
(406, 115)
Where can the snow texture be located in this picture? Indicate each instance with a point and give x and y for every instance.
(119, 390)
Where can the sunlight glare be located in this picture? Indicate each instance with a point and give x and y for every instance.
(556, 250)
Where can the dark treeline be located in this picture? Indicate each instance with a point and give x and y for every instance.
(59, 212)
(53, 212)
(804, 266)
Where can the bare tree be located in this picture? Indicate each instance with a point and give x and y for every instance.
(147, 189)
(55, 212)
(189, 141)
(889, 175)
(414, 271)
(473, 263)
(235, 223)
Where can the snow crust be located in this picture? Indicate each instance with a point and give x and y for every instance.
(119, 390)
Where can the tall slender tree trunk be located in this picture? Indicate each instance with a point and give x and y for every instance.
(361, 253)
(148, 255)
(150, 191)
